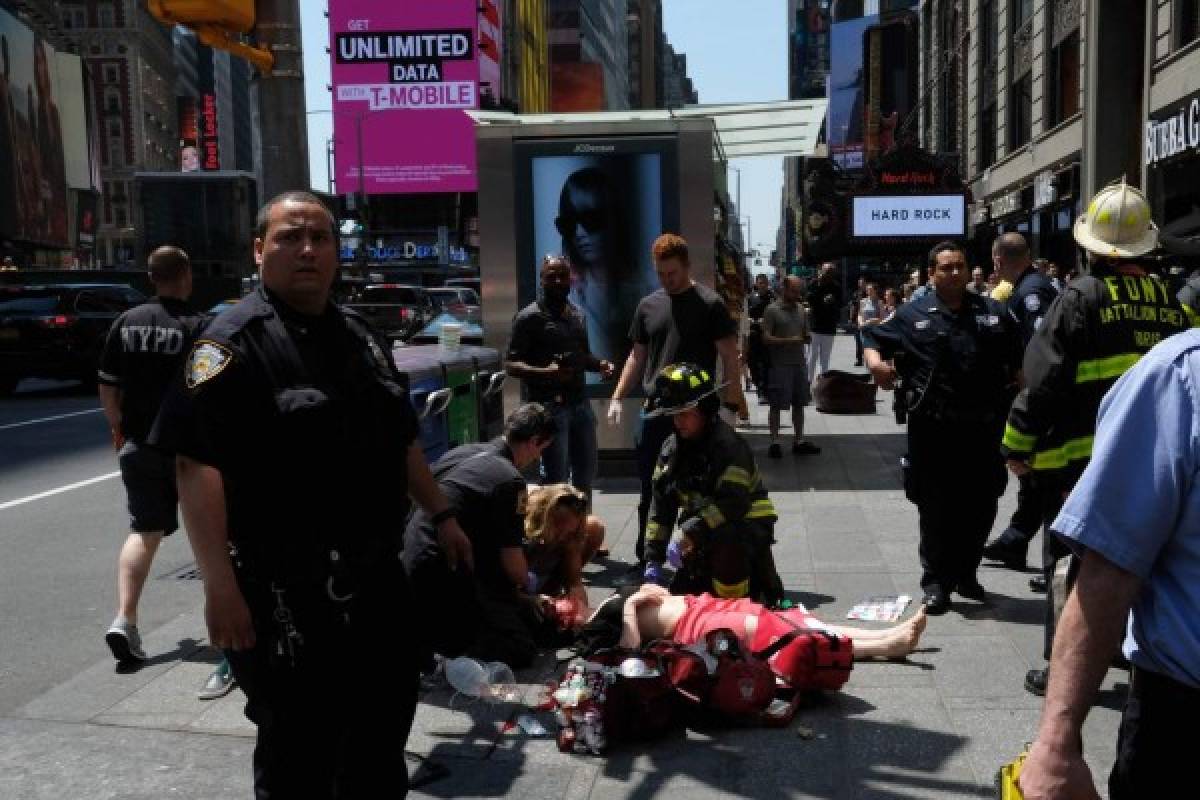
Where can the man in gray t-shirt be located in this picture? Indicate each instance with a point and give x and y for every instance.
(785, 332)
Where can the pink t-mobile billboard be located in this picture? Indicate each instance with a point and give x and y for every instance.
(404, 75)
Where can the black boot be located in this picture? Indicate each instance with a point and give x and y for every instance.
(1009, 548)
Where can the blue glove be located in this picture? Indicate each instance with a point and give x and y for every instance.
(675, 553)
(654, 573)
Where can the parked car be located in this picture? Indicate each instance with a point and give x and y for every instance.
(57, 331)
(467, 283)
(396, 310)
(457, 300)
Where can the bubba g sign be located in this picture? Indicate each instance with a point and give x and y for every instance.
(1174, 132)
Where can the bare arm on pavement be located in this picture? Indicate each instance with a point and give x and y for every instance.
(202, 500)
(1091, 628)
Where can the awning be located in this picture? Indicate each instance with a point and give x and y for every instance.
(787, 128)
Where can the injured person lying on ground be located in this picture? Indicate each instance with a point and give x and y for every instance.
(630, 619)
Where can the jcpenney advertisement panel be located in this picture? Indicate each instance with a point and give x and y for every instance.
(602, 203)
(403, 76)
(925, 216)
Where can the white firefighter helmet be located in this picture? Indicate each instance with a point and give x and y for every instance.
(1117, 223)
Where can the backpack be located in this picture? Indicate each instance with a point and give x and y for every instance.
(838, 392)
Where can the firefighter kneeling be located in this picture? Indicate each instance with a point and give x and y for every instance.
(706, 480)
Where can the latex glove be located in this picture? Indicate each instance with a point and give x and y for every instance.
(614, 412)
(675, 553)
(654, 573)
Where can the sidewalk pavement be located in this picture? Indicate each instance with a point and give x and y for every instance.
(936, 726)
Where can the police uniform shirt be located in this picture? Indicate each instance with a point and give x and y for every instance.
(1138, 503)
(967, 356)
(680, 327)
(488, 494)
(306, 420)
(1031, 298)
(142, 355)
(539, 338)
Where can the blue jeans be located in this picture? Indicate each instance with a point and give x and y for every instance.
(571, 458)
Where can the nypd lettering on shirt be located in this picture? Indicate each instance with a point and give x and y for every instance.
(151, 339)
(987, 320)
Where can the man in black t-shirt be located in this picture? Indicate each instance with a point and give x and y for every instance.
(683, 321)
(144, 351)
(824, 310)
(549, 352)
(486, 613)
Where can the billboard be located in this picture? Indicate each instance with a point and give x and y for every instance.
(602, 203)
(77, 165)
(891, 89)
(491, 37)
(809, 56)
(577, 87)
(929, 215)
(847, 88)
(404, 75)
(33, 180)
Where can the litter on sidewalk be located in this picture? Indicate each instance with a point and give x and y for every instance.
(881, 608)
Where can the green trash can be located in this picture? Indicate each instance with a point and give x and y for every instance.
(462, 415)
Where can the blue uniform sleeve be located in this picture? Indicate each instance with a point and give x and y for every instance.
(886, 337)
(1127, 503)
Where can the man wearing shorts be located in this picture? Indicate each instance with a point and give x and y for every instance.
(143, 353)
(785, 332)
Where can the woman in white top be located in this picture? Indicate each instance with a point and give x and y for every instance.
(870, 307)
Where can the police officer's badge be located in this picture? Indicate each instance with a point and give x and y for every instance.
(206, 362)
(1032, 302)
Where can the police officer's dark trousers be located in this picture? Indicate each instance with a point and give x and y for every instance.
(333, 721)
(1154, 759)
(957, 478)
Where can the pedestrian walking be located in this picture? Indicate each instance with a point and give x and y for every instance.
(548, 350)
(1098, 328)
(755, 352)
(785, 332)
(957, 354)
(1134, 520)
(144, 350)
(1028, 303)
(682, 321)
(297, 454)
(824, 309)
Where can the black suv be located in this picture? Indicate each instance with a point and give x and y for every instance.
(57, 331)
(395, 310)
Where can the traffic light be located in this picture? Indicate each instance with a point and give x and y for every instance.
(216, 23)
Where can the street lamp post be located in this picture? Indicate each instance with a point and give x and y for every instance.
(361, 259)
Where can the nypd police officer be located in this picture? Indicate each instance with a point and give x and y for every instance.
(1031, 298)
(296, 446)
(957, 354)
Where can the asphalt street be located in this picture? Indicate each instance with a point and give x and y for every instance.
(62, 522)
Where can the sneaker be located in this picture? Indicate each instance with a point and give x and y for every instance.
(775, 451)
(219, 683)
(125, 642)
(805, 448)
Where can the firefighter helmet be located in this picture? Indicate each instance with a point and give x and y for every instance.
(1117, 223)
(678, 387)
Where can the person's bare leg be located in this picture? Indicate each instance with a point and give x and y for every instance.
(894, 642)
(133, 567)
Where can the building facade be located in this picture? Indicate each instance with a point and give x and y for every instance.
(589, 60)
(130, 58)
(526, 54)
(644, 18)
(1043, 103)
